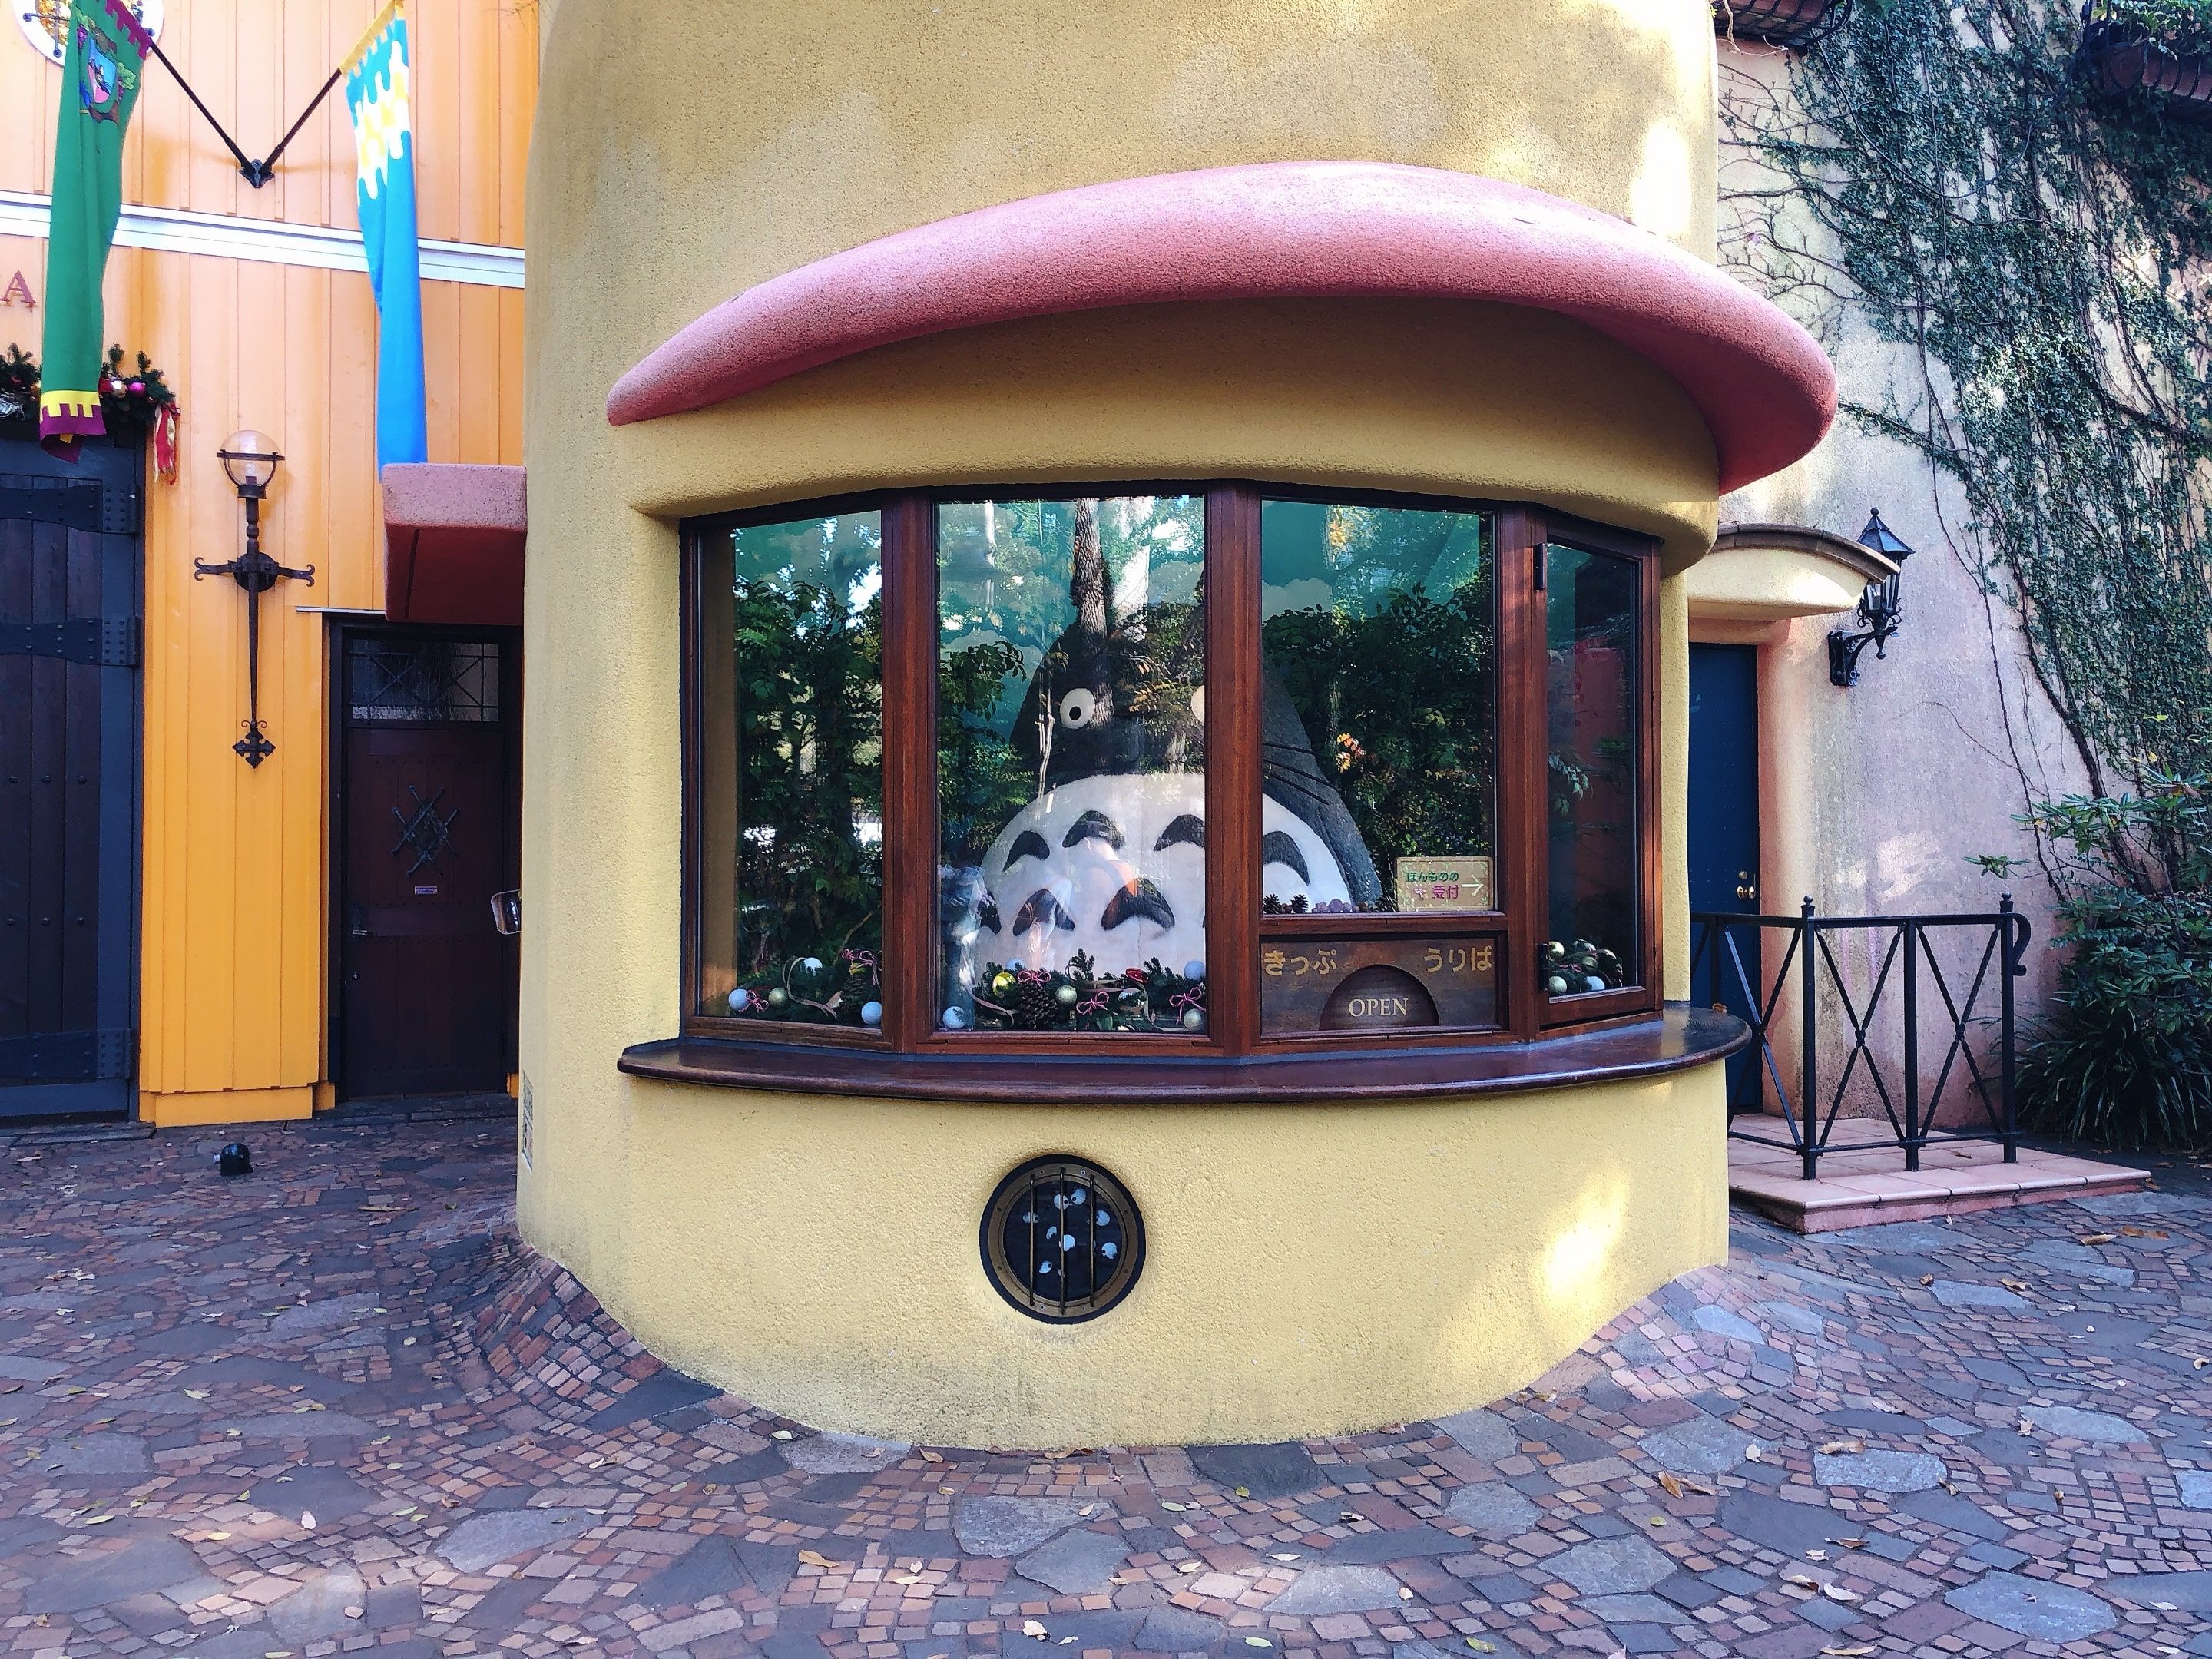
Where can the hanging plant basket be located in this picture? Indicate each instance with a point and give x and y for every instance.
(1796, 24)
(2123, 54)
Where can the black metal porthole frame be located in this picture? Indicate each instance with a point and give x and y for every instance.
(1031, 1203)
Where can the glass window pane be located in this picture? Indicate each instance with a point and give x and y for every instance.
(792, 773)
(1590, 609)
(1378, 639)
(1071, 764)
(421, 682)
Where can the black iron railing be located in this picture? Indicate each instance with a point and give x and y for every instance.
(1726, 967)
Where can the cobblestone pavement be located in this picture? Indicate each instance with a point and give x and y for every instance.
(335, 1406)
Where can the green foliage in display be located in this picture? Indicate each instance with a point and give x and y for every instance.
(809, 694)
(1393, 675)
(1406, 689)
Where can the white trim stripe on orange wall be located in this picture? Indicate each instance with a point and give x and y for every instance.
(175, 230)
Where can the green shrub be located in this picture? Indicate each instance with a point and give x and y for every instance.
(2123, 1057)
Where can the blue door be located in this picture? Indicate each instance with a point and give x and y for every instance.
(1724, 838)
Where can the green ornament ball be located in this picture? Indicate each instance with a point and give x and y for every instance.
(1064, 995)
(779, 998)
(1557, 985)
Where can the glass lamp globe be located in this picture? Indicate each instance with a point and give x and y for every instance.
(250, 459)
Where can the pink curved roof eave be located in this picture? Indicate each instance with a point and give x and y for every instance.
(1312, 230)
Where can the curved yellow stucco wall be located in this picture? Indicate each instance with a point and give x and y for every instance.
(1309, 1269)
(819, 1254)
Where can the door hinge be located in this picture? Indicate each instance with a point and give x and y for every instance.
(102, 641)
(65, 1056)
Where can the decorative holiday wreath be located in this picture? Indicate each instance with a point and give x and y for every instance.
(137, 398)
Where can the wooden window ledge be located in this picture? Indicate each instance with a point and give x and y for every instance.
(1682, 1036)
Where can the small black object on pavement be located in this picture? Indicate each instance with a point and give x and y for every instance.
(234, 1159)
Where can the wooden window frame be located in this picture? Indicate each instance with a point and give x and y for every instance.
(1236, 928)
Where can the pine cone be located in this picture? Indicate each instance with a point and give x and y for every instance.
(1033, 1001)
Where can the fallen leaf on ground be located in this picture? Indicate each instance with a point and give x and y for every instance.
(2011, 1283)
(1752, 1452)
(1243, 1491)
(929, 1456)
(2096, 1238)
(1849, 1543)
(2027, 1427)
(1405, 1595)
(1948, 1487)
(98, 1520)
(1177, 1508)
(1927, 1279)
(218, 1536)
(1800, 1579)
(1480, 1647)
(1816, 1555)
(1031, 1628)
(1670, 1485)
(355, 1613)
(1282, 1557)
(1845, 1653)
(196, 1393)
(1654, 1520)
(1833, 1447)
(1189, 1566)
(1838, 1593)
(782, 1434)
(815, 1559)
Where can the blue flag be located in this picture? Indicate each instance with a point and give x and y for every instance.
(384, 143)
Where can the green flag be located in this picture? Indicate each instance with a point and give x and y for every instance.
(106, 54)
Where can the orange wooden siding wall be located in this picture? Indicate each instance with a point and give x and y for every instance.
(234, 924)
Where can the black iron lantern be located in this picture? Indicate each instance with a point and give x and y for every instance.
(1878, 606)
(249, 457)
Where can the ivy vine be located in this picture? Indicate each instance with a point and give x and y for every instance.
(1947, 174)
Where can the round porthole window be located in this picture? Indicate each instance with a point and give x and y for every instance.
(1062, 1240)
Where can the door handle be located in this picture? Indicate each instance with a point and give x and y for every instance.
(1746, 887)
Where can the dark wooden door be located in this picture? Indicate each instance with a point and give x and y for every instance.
(1724, 837)
(427, 984)
(70, 607)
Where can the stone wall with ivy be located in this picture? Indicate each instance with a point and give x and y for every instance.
(2007, 264)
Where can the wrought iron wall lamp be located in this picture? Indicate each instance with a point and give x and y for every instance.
(251, 460)
(1877, 608)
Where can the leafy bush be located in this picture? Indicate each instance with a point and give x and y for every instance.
(2124, 1057)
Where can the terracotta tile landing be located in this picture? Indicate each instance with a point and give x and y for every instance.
(1862, 1184)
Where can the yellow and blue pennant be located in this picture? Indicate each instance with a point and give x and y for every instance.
(376, 92)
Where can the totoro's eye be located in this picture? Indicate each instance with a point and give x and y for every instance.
(1198, 705)
(1076, 709)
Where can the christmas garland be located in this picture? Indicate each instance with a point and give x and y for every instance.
(1011, 997)
(130, 399)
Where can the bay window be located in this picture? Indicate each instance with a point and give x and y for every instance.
(1183, 769)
